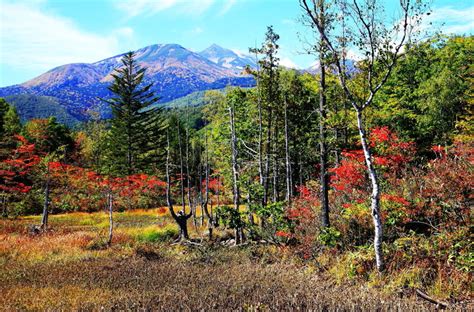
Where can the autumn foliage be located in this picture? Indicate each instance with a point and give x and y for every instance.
(80, 189)
(15, 169)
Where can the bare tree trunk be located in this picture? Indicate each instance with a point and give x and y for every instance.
(250, 215)
(200, 195)
(200, 187)
(289, 186)
(44, 218)
(267, 158)
(211, 221)
(276, 195)
(300, 170)
(204, 203)
(191, 206)
(4, 206)
(183, 202)
(180, 218)
(260, 121)
(336, 148)
(375, 197)
(218, 204)
(323, 153)
(235, 172)
(111, 220)
(210, 218)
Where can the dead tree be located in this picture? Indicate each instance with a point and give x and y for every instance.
(235, 173)
(377, 42)
(276, 195)
(44, 218)
(181, 167)
(111, 219)
(289, 186)
(211, 220)
(181, 218)
(191, 205)
(256, 51)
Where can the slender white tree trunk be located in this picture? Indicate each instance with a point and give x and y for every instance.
(111, 219)
(375, 196)
(235, 172)
(44, 218)
(289, 187)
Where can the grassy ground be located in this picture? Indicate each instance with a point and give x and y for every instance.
(68, 268)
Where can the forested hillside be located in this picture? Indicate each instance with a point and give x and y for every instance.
(346, 188)
(74, 91)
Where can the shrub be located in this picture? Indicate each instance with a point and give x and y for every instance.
(329, 237)
(154, 234)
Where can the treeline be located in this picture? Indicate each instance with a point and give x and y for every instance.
(314, 161)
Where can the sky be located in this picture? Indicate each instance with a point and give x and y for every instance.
(38, 35)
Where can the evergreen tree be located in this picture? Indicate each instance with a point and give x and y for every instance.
(136, 126)
(9, 125)
(11, 122)
(3, 110)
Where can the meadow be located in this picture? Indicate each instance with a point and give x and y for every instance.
(69, 267)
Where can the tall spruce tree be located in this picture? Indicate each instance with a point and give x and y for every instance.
(136, 134)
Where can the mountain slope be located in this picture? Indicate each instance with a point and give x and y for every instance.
(173, 70)
(33, 106)
(227, 58)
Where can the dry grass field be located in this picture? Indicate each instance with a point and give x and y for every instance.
(69, 268)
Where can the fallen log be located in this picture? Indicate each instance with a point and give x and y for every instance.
(423, 295)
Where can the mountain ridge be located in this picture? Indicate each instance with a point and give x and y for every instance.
(174, 71)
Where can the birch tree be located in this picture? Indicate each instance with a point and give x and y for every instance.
(380, 45)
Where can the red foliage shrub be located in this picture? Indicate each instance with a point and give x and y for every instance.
(443, 192)
(302, 215)
(80, 189)
(15, 169)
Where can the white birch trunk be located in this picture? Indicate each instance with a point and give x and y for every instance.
(375, 196)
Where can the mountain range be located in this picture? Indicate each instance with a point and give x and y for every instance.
(70, 91)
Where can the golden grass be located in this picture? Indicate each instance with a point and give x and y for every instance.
(34, 298)
(68, 268)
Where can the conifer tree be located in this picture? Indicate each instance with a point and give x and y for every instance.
(136, 127)
(11, 121)
(9, 126)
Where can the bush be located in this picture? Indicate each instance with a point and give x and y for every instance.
(154, 234)
(230, 217)
(329, 237)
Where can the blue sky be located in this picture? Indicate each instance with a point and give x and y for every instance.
(37, 35)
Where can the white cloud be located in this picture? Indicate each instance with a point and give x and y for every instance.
(31, 38)
(451, 20)
(134, 8)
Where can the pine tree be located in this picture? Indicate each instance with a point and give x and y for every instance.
(11, 122)
(136, 135)
(3, 110)
(9, 126)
